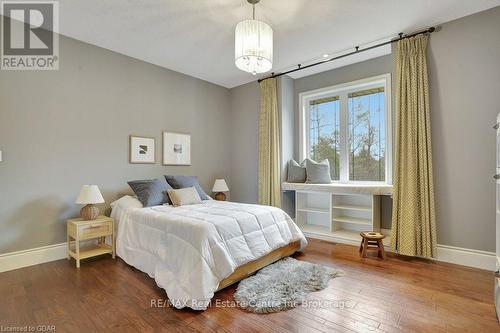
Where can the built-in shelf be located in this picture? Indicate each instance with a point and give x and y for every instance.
(315, 229)
(314, 210)
(353, 207)
(353, 220)
(338, 217)
(347, 234)
(340, 235)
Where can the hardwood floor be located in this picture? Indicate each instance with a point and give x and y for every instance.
(393, 295)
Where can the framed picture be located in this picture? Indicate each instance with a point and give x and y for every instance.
(142, 150)
(176, 148)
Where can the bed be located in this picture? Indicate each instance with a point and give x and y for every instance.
(193, 251)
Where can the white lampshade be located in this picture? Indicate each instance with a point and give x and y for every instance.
(220, 186)
(253, 47)
(89, 194)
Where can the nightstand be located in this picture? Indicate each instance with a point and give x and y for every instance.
(82, 230)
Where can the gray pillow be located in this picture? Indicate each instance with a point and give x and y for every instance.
(318, 173)
(296, 172)
(151, 192)
(187, 181)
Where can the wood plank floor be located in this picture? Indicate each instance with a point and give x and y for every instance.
(395, 295)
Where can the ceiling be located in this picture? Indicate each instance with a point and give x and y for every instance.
(196, 37)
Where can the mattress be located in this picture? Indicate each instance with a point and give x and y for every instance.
(188, 250)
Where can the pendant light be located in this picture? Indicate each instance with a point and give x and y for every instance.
(253, 47)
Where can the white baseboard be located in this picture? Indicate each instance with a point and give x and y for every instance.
(467, 257)
(451, 254)
(39, 255)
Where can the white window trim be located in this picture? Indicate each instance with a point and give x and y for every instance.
(344, 89)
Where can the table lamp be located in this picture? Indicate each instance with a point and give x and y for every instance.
(89, 195)
(220, 187)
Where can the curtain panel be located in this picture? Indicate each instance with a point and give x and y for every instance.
(413, 213)
(269, 150)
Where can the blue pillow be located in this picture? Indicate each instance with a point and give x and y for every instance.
(151, 192)
(187, 181)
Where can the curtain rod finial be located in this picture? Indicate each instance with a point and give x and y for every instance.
(432, 29)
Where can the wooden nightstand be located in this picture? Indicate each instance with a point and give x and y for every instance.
(80, 230)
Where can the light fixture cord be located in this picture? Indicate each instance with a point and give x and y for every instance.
(253, 11)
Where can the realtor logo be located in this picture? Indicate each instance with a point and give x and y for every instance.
(29, 39)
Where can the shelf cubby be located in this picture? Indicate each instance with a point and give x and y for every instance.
(337, 216)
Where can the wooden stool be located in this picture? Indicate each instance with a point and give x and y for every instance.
(371, 240)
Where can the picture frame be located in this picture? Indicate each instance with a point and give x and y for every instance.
(142, 150)
(176, 148)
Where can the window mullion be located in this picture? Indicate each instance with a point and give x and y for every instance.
(344, 139)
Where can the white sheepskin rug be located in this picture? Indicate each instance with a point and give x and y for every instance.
(283, 285)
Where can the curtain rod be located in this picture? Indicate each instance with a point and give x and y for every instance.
(356, 51)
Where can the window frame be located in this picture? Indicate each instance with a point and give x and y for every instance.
(342, 90)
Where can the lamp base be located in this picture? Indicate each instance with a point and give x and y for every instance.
(89, 212)
(220, 196)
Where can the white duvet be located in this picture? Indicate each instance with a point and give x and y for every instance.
(188, 250)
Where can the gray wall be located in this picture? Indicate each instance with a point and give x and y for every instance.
(61, 129)
(245, 104)
(464, 74)
(245, 108)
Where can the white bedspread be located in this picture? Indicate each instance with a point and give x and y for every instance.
(188, 250)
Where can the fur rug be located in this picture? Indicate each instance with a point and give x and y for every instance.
(282, 285)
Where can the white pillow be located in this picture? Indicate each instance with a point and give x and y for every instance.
(184, 196)
(122, 205)
(126, 202)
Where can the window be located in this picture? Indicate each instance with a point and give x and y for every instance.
(324, 132)
(350, 125)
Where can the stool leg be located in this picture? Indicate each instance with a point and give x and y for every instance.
(361, 246)
(365, 246)
(381, 248)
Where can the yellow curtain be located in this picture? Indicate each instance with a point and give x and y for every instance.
(413, 214)
(269, 150)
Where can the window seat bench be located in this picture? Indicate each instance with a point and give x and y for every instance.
(339, 188)
(338, 212)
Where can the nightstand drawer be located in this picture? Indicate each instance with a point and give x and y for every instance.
(94, 230)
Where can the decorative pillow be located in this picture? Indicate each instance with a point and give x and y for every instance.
(151, 192)
(318, 173)
(119, 207)
(184, 196)
(178, 182)
(296, 172)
